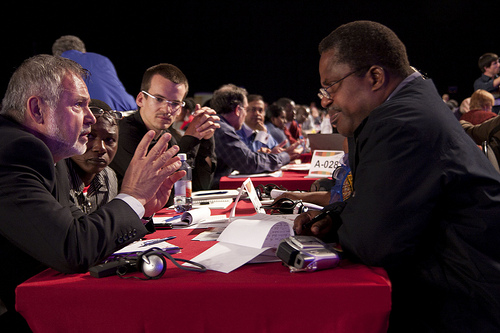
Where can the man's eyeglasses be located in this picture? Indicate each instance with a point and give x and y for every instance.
(172, 105)
(323, 92)
(97, 112)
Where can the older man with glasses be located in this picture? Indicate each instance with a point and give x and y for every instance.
(425, 201)
(45, 118)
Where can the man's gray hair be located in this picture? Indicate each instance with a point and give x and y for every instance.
(39, 76)
(227, 98)
(66, 43)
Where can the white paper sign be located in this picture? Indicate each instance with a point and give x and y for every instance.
(324, 162)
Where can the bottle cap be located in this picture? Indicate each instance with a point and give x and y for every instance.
(182, 156)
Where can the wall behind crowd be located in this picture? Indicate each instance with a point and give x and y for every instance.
(269, 47)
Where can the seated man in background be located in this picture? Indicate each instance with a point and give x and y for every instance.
(426, 200)
(291, 124)
(45, 118)
(304, 119)
(163, 90)
(92, 182)
(253, 131)
(231, 103)
(480, 106)
(489, 65)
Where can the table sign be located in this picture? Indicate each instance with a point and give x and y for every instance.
(324, 162)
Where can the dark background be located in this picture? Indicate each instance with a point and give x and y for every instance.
(269, 47)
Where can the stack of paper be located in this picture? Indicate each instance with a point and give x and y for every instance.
(244, 239)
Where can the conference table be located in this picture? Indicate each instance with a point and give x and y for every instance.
(293, 177)
(292, 180)
(263, 297)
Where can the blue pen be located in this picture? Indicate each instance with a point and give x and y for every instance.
(156, 241)
(173, 218)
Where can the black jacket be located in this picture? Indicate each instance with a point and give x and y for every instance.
(39, 226)
(131, 131)
(426, 207)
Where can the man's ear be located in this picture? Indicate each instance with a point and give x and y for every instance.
(378, 77)
(237, 110)
(139, 100)
(35, 109)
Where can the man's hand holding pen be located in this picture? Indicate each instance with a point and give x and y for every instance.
(313, 223)
(322, 224)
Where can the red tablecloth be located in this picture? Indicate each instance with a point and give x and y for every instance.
(306, 157)
(291, 180)
(253, 298)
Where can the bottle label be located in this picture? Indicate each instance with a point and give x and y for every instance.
(183, 187)
(188, 188)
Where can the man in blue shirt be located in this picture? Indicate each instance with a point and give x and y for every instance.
(231, 103)
(253, 131)
(103, 83)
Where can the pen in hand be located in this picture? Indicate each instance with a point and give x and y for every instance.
(315, 219)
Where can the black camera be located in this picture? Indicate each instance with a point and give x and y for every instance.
(307, 254)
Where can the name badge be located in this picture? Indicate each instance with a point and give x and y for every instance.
(262, 137)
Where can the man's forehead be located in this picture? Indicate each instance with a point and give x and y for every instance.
(329, 66)
(160, 83)
(257, 103)
(75, 84)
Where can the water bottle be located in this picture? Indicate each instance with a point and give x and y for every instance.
(182, 188)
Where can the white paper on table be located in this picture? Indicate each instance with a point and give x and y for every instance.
(226, 257)
(196, 218)
(244, 239)
(209, 235)
(258, 231)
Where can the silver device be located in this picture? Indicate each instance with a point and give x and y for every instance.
(307, 254)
